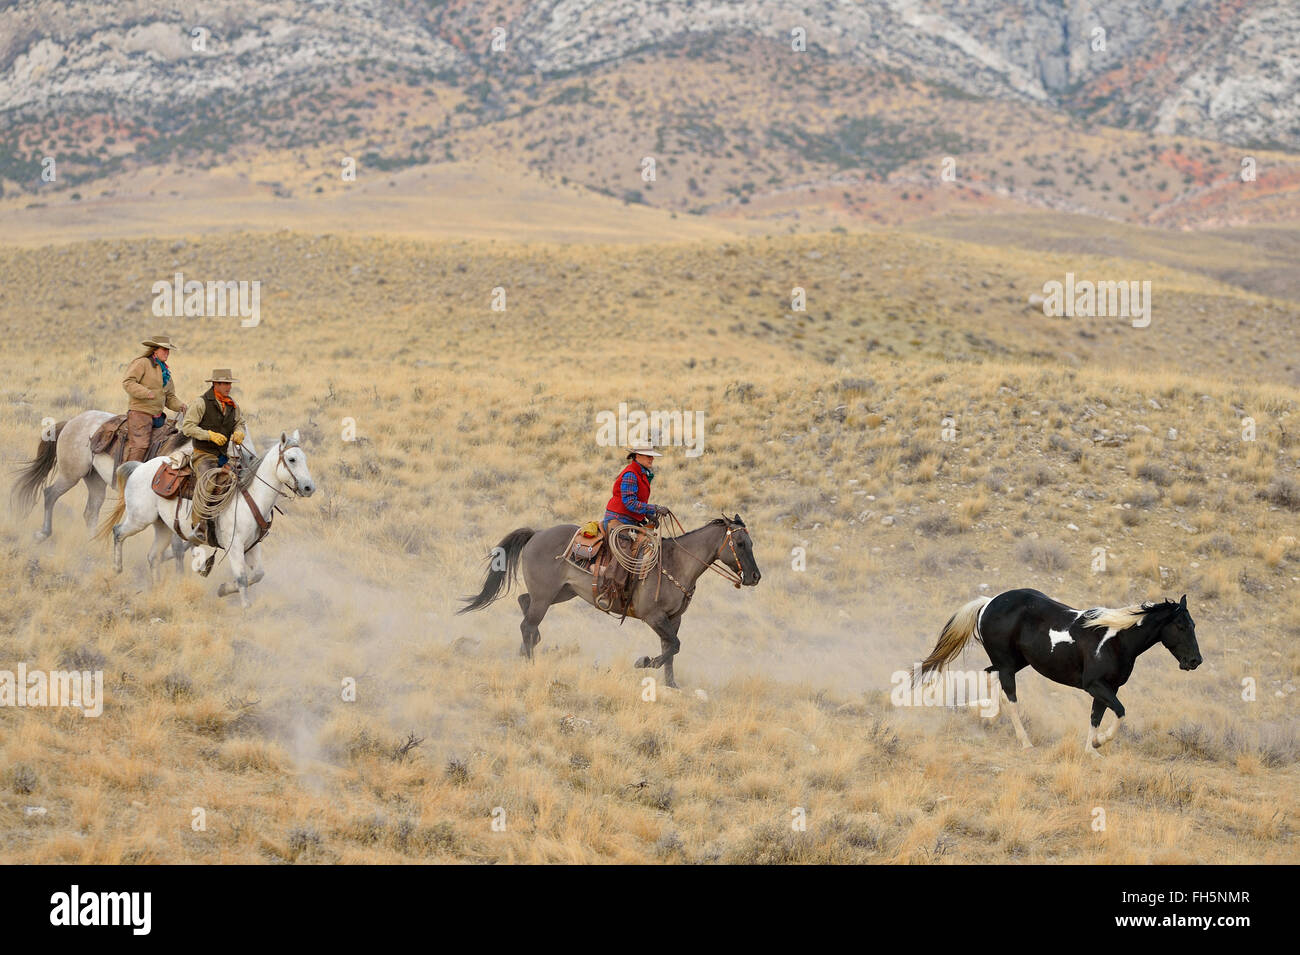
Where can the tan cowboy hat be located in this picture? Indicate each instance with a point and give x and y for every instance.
(162, 340)
(221, 375)
(646, 449)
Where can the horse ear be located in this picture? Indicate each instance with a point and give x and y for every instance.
(284, 439)
(1183, 603)
(295, 436)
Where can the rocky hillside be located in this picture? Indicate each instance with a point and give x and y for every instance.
(583, 90)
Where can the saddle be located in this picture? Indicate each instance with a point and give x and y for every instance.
(111, 439)
(611, 583)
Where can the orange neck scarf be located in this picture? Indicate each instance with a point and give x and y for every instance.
(228, 402)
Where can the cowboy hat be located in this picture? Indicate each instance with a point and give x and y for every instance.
(646, 449)
(221, 375)
(161, 340)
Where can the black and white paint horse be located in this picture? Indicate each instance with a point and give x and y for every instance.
(1091, 649)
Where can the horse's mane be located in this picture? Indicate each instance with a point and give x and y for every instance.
(249, 470)
(1122, 618)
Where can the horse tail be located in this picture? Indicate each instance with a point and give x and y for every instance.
(502, 571)
(119, 509)
(960, 627)
(33, 474)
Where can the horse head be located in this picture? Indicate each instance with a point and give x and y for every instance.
(291, 466)
(737, 551)
(1178, 634)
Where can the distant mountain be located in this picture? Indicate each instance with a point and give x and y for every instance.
(714, 90)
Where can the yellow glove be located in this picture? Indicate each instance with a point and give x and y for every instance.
(218, 439)
(237, 438)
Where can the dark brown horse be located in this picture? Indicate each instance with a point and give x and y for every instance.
(660, 599)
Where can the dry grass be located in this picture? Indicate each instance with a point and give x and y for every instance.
(472, 423)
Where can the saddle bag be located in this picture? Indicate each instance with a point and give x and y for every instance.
(586, 543)
(169, 482)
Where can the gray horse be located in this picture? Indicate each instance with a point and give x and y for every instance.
(659, 600)
(68, 455)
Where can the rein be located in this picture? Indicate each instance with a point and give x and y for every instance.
(264, 523)
(724, 571)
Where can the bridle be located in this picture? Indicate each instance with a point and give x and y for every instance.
(725, 571)
(297, 492)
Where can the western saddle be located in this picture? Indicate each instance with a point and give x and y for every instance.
(111, 439)
(611, 583)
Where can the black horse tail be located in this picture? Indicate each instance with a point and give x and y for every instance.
(503, 569)
(33, 474)
(960, 627)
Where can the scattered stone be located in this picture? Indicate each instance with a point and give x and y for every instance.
(571, 723)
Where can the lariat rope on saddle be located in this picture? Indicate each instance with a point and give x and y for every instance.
(213, 490)
(621, 540)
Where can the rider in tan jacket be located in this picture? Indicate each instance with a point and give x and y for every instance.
(149, 385)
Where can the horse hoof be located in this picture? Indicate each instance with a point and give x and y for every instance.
(642, 663)
(41, 535)
(1026, 745)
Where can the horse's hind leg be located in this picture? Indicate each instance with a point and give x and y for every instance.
(1007, 677)
(534, 609)
(95, 488)
(61, 486)
(162, 535)
(129, 527)
(528, 627)
(526, 647)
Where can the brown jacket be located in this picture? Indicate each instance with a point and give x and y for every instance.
(143, 382)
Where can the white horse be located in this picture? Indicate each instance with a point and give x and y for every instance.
(282, 470)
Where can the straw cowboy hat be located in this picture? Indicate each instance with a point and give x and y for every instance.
(646, 449)
(220, 375)
(159, 341)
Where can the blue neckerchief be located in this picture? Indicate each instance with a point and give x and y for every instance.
(167, 375)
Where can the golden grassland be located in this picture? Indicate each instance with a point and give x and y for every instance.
(824, 430)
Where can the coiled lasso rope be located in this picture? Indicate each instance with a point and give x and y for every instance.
(621, 539)
(213, 490)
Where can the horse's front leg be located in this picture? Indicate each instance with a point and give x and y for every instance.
(255, 569)
(239, 569)
(666, 627)
(1102, 698)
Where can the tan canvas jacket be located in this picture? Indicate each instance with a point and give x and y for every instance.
(144, 384)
